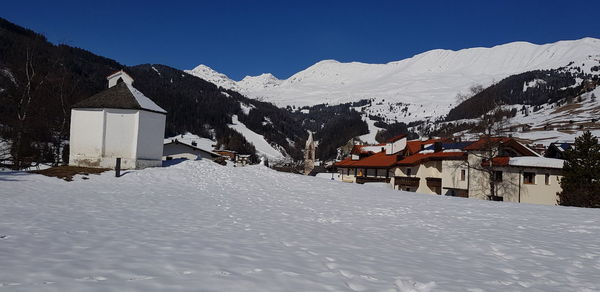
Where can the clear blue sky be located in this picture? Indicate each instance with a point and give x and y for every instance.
(241, 38)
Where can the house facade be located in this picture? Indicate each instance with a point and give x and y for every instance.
(119, 122)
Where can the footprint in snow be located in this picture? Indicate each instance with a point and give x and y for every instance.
(221, 273)
(140, 278)
(93, 279)
(412, 286)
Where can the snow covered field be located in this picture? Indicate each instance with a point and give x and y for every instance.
(197, 226)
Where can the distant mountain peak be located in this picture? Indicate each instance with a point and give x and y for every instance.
(428, 82)
(210, 75)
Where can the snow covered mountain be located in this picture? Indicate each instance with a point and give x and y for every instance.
(424, 86)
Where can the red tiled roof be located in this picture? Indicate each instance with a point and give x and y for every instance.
(497, 161)
(377, 160)
(424, 157)
(356, 149)
(481, 143)
(504, 141)
(415, 145)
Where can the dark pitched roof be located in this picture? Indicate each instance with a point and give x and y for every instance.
(177, 142)
(118, 96)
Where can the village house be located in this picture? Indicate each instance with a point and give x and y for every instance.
(443, 167)
(372, 163)
(528, 179)
(514, 169)
(119, 122)
(426, 170)
(558, 149)
(176, 149)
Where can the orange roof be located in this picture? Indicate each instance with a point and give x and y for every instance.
(504, 141)
(414, 146)
(481, 143)
(497, 161)
(424, 157)
(377, 160)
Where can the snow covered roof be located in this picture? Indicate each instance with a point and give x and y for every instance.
(562, 146)
(533, 161)
(122, 96)
(177, 142)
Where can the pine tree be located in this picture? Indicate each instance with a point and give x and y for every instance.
(581, 181)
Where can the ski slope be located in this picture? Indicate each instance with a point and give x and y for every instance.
(198, 226)
(263, 147)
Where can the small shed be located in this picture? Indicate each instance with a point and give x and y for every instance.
(119, 122)
(227, 153)
(176, 149)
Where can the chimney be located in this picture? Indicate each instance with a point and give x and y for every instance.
(437, 147)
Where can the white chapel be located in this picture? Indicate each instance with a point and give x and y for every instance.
(119, 122)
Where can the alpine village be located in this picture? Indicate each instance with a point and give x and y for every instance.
(276, 184)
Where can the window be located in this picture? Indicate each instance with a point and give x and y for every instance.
(529, 178)
(498, 176)
(463, 174)
(547, 178)
(408, 171)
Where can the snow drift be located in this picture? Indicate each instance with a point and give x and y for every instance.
(197, 226)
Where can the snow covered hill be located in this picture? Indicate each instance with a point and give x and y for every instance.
(426, 84)
(198, 226)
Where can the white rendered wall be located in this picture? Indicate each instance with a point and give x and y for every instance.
(391, 148)
(513, 189)
(120, 133)
(150, 137)
(451, 174)
(87, 132)
(99, 136)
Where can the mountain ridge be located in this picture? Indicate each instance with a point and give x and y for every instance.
(431, 79)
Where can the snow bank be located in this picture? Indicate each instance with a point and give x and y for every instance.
(197, 226)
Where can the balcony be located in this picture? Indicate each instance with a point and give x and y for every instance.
(434, 182)
(406, 181)
(370, 179)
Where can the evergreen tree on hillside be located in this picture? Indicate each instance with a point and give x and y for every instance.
(581, 181)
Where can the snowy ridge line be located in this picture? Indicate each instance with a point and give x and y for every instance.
(426, 83)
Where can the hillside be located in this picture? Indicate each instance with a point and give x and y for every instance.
(65, 75)
(200, 226)
(426, 84)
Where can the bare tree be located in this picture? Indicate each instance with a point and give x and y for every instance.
(23, 98)
(486, 157)
(65, 89)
